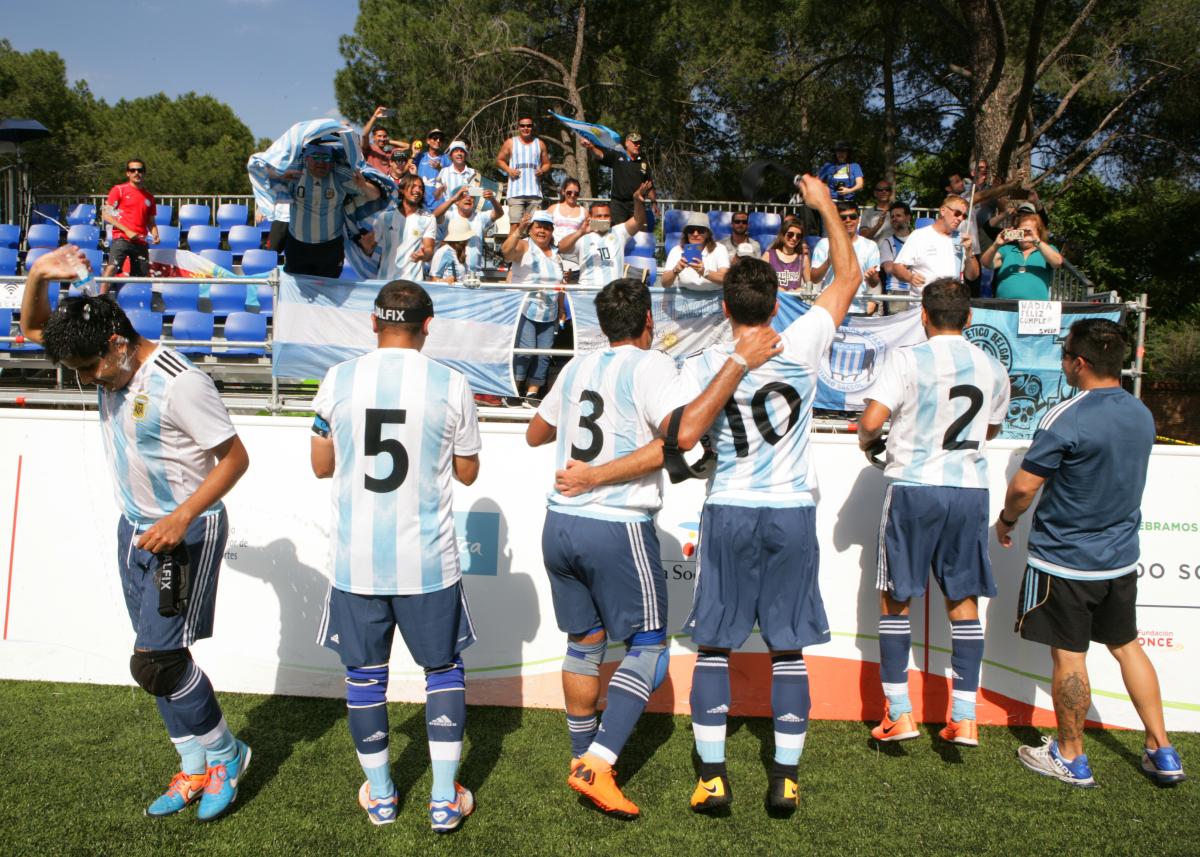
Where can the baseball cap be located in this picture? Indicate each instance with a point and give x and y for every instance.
(457, 144)
(319, 149)
(433, 131)
(399, 155)
(841, 145)
(633, 137)
(542, 217)
(1027, 208)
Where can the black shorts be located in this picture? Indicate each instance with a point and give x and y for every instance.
(136, 252)
(319, 260)
(1068, 614)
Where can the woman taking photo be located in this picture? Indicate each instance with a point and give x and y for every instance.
(530, 248)
(450, 259)
(788, 255)
(1024, 266)
(698, 262)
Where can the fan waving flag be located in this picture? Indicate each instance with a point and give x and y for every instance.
(593, 132)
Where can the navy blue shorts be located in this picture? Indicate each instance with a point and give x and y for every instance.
(934, 527)
(205, 540)
(604, 573)
(436, 626)
(758, 565)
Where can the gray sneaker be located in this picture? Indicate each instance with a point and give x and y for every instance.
(1047, 761)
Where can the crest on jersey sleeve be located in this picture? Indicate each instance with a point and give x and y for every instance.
(141, 403)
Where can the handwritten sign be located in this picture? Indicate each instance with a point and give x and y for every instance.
(1038, 317)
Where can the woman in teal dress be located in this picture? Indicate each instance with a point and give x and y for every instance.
(1024, 267)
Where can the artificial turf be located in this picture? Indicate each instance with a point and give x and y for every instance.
(78, 763)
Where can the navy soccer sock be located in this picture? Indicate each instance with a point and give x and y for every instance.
(366, 714)
(895, 640)
(193, 705)
(790, 702)
(966, 642)
(446, 720)
(710, 705)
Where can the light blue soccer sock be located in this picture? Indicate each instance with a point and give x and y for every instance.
(710, 705)
(966, 656)
(895, 640)
(790, 702)
(191, 751)
(194, 707)
(446, 720)
(583, 732)
(629, 690)
(366, 715)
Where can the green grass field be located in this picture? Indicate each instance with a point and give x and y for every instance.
(79, 762)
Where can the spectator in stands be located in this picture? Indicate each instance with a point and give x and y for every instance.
(130, 208)
(844, 177)
(404, 233)
(739, 243)
(450, 259)
(319, 194)
(600, 244)
(788, 254)
(457, 173)
(867, 251)
(900, 221)
(429, 162)
(1024, 266)
(698, 262)
(530, 248)
(399, 164)
(524, 160)
(377, 145)
(462, 208)
(629, 172)
(874, 222)
(568, 216)
(958, 185)
(934, 251)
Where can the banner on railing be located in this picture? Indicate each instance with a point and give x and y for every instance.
(320, 322)
(185, 263)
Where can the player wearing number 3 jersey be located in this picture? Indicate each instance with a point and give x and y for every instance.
(599, 546)
(393, 428)
(946, 399)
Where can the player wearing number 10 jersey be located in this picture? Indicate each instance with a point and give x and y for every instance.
(946, 399)
(393, 428)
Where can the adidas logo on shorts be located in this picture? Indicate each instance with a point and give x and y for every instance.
(378, 736)
(442, 721)
(334, 639)
(720, 709)
(789, 718)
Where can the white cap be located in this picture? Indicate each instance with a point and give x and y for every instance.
(458, 144)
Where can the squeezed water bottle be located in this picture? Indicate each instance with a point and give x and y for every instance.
(85, 280)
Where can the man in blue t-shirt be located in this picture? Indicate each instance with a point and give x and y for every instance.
(1089, 456)
(844, 177)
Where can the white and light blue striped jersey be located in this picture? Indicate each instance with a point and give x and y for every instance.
(451, 179)
(867, 252)
(480, 222)
(604, 405)
(317, 209)
(536, 267)
(943, 395)
(761, 436)
(445, 264)
(396, 419)
(398, 238)
(526, 157)
(602, 257)
(158, 433)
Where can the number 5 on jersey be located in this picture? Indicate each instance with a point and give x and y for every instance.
(374, 443)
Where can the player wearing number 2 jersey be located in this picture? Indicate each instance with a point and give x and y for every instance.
(946, 399)
(393, 428)
(600, 547)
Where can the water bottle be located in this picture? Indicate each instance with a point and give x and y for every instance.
(85, 280)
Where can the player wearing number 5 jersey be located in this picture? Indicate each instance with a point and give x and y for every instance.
(393, 428)
(600, 547)
(946, 399)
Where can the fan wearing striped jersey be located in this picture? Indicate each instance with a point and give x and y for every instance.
(393, 429)
(946, 399)
(173, 454)
(600, 547)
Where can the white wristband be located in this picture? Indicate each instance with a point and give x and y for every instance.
(740, 360)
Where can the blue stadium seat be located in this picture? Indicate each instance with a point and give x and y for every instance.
(765, 221)
(10, 235)
(96, 258)
(193, 325)
(647, 264)
(671, 239)
(83, 235)
(193, 215)
(203, 237)
(46, 212)
(719, 220)
(135, 296)
(54, 295)
(641, 244)
(246, 327)
(6, 318)
(243, 238)
(673, 220)
(42, 235)
(168, 238)
(162, 215)
(232, 214)
(8, 261)
(35, 254)
(266, 300)
(259, 261)
(228, 297)
(82, 214)
(178, 297)
(224, 258)
(812, 241)
(765, 239)
(146, 323)
(923, 221)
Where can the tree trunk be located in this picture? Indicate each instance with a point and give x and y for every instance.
(889, 93)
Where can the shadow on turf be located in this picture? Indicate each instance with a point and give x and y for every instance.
(274, 728)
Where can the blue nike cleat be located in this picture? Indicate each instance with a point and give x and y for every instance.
(183, 790)
(222, 788)
(1164, 765)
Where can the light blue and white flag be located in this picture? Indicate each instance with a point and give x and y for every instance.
(271, 193)
(320, 322)
(593, 132)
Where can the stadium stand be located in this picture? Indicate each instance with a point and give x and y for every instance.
(83, 235)
(193, 215)
(201, 236)
(10, 235)
(224, 258)
(162, 215)
(168, 238)
(95, 258)
(257, 261)
(42, 235)
(82, 214)
(146, 323)
(33, 255)
(266, 301)
(193, 325)
(232, 214)
(180, 297)
(8, 261)
(243, 238)
(245, 327)
(227, 298)
(135, 296)
(46, 212)
(719, 220)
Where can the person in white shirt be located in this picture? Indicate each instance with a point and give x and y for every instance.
(535, 259)
(463, 206)
(404, 234)
(867, 251)
(703, 267)
(457, 174)
(599, 244)
(937, 250)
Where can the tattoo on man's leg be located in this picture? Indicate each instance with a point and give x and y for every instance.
(1072, 699)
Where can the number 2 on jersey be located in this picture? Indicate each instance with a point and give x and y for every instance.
(374, 443)
(974, 397)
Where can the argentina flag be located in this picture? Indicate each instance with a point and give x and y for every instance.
(593, 132)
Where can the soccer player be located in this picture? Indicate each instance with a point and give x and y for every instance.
(1089, 458)
(599, 244)
(392, 429)
(946, 399)
(174, 454)
(600, 547)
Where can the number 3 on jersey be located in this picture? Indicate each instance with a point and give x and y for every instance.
(590, 423)
(374, 443)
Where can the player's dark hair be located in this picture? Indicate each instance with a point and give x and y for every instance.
(599, 203)
(947, 302)
(621, 307)
(567, 182)
(750, 291)
(1102, 343)
(134, 161)
(80, 328)
(406, 181)
(407, 297)
(899, 204)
